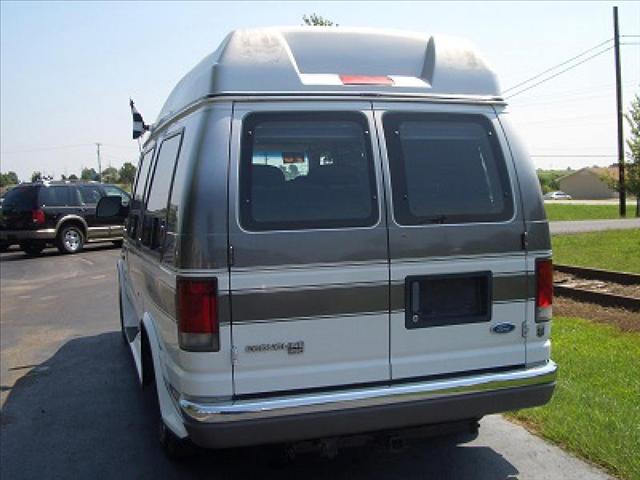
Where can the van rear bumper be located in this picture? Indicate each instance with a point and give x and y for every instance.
(300, 417)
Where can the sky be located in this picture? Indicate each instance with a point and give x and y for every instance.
(67, 69)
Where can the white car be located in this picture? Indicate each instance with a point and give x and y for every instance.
(557, 196)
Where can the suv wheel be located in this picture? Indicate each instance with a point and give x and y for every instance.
(32, 248)
(70, 239)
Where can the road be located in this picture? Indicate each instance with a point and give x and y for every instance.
(593, 225)
(72, 407)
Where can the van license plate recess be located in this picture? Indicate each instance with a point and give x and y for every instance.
(449, 299)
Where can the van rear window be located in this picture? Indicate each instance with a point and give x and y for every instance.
(446, 169)
(307, 171)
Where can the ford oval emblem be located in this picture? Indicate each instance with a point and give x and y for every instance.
(503, 328)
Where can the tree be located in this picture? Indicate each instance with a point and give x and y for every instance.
(36, 176)
(73, 176)
(632, 177)
(110, 175)
(89, 174)
(9, 178)
(315, 20)
(127, 173)
(632, 166)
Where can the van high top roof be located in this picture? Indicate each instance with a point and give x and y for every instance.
(336, 61)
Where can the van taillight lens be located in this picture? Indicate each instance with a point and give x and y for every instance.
(37, 216)
(197, 312)
(544, 290)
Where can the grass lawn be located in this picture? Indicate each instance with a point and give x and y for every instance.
(611, 250)
(595, 410)
(567, 211)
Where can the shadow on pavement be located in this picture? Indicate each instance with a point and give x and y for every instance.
(81, 414)
(14, 253)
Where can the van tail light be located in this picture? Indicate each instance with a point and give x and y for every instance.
(37, 216)
(197, 312)
(544, 289)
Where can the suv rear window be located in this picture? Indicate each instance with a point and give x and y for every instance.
(446, 169)
(307, 171)
(21, 198)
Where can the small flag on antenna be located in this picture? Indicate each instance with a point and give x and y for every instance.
(139, 127)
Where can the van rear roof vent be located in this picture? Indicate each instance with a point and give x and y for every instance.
(316, 60)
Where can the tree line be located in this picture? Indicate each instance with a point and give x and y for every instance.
(124, 175)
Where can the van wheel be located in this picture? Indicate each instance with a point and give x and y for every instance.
(117, 243)
(70, 239)
(32, 248)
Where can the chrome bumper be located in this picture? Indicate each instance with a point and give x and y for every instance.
(233, 411)
(17, 235)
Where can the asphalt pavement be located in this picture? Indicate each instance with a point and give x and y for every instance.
(72, 408)
(580, 226)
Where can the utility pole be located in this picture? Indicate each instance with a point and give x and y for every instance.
(99, 165)
(616, 50)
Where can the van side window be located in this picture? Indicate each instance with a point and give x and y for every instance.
(154, 223)
(446, 168)
(138, 191)
(307, 171)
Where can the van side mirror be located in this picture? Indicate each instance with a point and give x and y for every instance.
(111, 207)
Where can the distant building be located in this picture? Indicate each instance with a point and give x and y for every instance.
(589, 184)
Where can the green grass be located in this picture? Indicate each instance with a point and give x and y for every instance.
(611, 250)
(595, 410)
(568, 211)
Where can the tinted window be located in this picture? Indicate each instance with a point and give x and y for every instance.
(143, 173)
(446, 169)
(90, 193)
(133, 220)
(307, 171)
(154, 223)
(21, 198)
(59, 196)
(112, 191)
(161, 182)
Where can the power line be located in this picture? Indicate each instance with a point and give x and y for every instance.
(558, 66)
(559, 73)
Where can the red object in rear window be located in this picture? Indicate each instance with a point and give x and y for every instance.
(197, 305)
(544, 275)
(365, 80)
(37, 216)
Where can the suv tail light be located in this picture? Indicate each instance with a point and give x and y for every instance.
(197, 312)
(37, 216)
(544, 289)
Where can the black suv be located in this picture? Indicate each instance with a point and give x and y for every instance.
(59, 213)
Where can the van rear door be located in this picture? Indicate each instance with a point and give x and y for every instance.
(309, 272)
(458, 273)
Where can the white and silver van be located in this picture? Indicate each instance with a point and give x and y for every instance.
(335, 232)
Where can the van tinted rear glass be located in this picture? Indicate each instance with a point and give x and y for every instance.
(446, 169)
(307, 171)
(21, 198)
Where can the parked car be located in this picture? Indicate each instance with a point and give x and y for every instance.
(324, 243)
(557, 196)
(63, 214)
